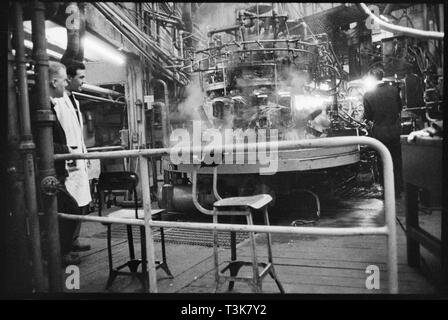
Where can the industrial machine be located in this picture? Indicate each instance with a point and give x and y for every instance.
(254, 77)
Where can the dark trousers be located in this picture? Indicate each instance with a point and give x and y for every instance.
(394, 148)
(68, 229)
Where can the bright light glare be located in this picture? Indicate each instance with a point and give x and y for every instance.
(324, 86)
(369, 83)
(310, 102)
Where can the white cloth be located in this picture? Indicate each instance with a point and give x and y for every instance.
(77, 182)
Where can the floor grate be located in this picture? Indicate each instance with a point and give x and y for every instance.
(178, 236)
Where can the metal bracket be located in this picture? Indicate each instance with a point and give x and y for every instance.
(43, 116)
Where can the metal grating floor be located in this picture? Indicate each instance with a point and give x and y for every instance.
(202, 238)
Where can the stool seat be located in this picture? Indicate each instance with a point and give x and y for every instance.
(238, 206)
(130, 213)
(255, 202)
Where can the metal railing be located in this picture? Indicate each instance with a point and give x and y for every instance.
(389, 229)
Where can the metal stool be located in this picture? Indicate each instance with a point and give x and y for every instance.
(128, 181)
(239, 206)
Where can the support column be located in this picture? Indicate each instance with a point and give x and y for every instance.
(27, 149)
(17, 272)
(45, 118)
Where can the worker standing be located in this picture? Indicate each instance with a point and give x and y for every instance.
(382, 109)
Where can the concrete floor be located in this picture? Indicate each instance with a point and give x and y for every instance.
(304, 264)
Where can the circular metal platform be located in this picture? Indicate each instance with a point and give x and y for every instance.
(288, 160)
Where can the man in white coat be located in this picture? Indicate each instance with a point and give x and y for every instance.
(70, 118)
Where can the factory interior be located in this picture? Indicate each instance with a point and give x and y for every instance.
(224, 148)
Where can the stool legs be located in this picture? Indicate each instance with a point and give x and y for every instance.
(164, 264)
(234, 266)
(215, 255)
(134, 263)
(112, 273)
(268, 235)
(130, 242)
(272, 272)
(256, 283)
(145, 277)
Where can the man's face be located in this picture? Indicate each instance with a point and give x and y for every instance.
(76, 82)
(59, 83)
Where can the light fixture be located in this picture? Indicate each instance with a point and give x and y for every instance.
(101, 49)
(51, 53)
(95, 49)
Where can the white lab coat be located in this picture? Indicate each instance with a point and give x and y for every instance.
(77, 182)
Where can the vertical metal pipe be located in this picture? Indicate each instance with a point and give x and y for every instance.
(27, 149)
(151, 130)
(181, 44)
(17, 271)
(144, 174)
(389, 209)
(45, 118)
(441, 27)
(165, 113)
(335, 109)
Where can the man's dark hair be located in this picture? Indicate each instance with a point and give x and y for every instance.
(377, 73)
(74, 67)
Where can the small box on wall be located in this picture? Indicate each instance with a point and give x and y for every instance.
(148, 101)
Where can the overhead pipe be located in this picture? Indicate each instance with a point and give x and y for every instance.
(131, 38)
(27, 149)
(171, 19)
(117, 14)
(98, 90)
(405, 30)
(123, 32)
(45, 119)
(99, 99)
(131, 27)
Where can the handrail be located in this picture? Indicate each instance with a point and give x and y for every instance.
(389, 229)
(195, 195)
(355, 231)
(194, 179)
(106, 148)
(215, 183)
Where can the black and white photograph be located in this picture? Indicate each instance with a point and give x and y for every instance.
(219, 149)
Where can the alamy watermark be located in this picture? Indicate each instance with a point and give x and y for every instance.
(73, 278)
(373, 280)
(72, 22)
(226, 146)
